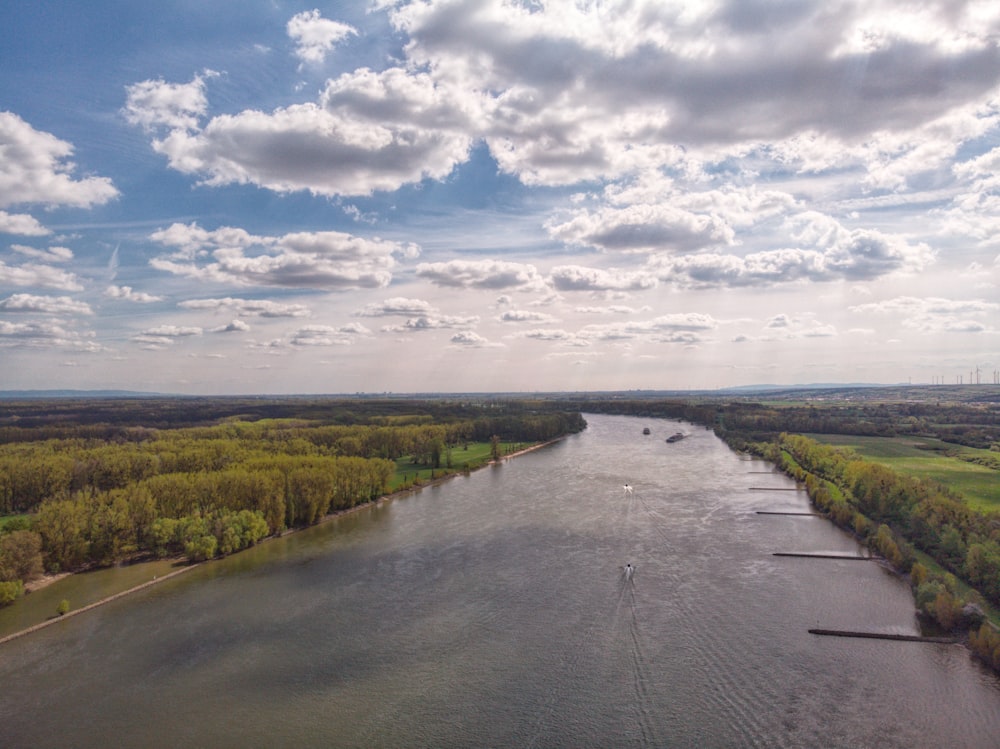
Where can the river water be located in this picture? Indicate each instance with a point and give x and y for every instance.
(493, 611)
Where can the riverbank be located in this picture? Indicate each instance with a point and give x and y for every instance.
(46, 581)
(89, 607)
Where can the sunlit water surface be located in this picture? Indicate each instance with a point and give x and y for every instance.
(492, 611)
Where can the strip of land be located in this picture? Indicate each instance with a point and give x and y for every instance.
(89, 607)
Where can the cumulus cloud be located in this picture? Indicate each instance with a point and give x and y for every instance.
(156, 103)
(53, 334)
(31, 274)
(674, 328)
(22, 224)
(482, 274)
(61, 305)
(323, 260)
(432, 322)
(530, 316)
(49, 255)
(234, 326)
(653, 213)
(579, 278)
(35, 169)
(326, 335)
(828, 252)
(247, 307)
(396, 306)
(368, 131)
(468, 339)
(315, 36)
(549, 334)
(935, 314)
(599, 88)
(128, 294)
(172, 331)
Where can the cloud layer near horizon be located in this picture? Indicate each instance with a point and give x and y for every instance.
(496, 175)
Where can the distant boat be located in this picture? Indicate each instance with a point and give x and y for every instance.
(676, 437)
(646, 430)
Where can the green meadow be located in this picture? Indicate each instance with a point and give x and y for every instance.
(455, 460)
(926, 457)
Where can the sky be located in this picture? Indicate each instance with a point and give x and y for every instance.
(417, 196)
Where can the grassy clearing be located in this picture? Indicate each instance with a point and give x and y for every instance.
(926, 457)
(466, 458)
(5, 519)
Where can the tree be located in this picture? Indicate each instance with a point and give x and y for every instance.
(63, 526)
(10, 592)
(20, 556)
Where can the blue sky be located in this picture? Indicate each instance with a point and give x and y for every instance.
(457, 195)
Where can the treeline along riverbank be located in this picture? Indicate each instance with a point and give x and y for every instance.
(77, 492)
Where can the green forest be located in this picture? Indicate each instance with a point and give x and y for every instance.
(86, 484)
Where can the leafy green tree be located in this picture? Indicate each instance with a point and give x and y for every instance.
(10, 592)
(20, 556)
(163, 536)
(63, 526)
(982, 568)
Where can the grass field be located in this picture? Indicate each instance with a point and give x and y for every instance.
(926, 457)
(10, 518)
(469, 458)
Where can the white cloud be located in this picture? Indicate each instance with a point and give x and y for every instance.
(21, 223)
(315, 36)
(61, 305)
(44, 276)
(828, 252)
(482, 274)
(396, 306)
(520, 316)
(432, 322)
(247, 307)
(368, 131)
(325, 335)
(44, 335)
(322, 260)
(128, 294)
(234, 326)
(50, 255)
(932, 315)
(552, 334)
(686, 328)
(579, 278)
(172, 331)
(583, 91)
(468, 339)
(177, 106)
(35, 169)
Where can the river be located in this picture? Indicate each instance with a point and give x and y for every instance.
(493, 611)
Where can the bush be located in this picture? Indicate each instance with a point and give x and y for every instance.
(10, 592)
(63, 608)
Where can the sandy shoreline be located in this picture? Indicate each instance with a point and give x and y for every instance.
(46, 580)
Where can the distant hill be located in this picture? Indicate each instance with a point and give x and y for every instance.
(43, 394)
